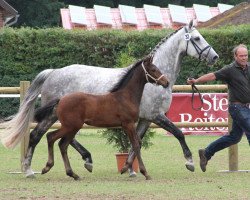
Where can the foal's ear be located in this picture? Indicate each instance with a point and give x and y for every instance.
(147, 59)
(151, 59)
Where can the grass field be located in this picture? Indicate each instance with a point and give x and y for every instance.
(164, 162)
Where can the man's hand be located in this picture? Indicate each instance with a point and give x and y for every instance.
(190, 81)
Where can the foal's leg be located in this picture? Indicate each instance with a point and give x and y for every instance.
(141, 129)
(35, 136)
(84, 153)
(51, 138)
(63, 145)
(134, 139)
(162, 121)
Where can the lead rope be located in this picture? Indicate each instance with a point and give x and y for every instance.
(195, 89)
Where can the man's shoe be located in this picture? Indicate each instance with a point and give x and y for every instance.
(203, 159)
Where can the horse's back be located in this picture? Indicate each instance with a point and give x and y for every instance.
(83, 78)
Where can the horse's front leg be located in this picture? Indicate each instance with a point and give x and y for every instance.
(129, 129)
(162, 121)
(35, 136)
(84, 153)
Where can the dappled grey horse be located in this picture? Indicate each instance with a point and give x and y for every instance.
(155, 102)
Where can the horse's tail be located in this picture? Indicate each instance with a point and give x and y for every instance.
(18, 127)
(46, 110)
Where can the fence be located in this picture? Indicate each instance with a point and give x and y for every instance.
(233, 150)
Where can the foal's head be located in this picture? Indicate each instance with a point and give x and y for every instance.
(153, 74)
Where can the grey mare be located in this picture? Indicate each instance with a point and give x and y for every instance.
(156, 100)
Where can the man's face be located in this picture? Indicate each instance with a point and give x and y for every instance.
(241, 56)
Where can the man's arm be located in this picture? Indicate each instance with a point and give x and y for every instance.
(202, 79)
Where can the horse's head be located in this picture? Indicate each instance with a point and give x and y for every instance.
(195, 45)
(153, 74)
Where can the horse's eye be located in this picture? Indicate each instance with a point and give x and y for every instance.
(197, 38)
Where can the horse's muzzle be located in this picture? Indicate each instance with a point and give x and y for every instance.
(164, 82)
(212, 60)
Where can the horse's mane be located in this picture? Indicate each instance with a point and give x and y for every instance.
(126, 76)
(162, 41)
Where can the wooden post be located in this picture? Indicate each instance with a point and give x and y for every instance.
(232, 150)
(24, 85)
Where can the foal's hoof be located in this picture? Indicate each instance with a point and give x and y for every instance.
(124, 169)
(77, 178)
(148, 178)
(45, 170)
(88, 166)
(190, 166)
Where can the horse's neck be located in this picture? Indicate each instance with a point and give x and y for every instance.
(169, 55)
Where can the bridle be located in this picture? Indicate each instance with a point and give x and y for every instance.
(148, 75)
(199, 51)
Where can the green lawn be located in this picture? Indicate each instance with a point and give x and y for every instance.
(164, 162)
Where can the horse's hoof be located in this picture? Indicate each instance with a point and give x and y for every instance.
(30, 174)
(148, 178)
(190, 166)
(88, 166)
(132, 174)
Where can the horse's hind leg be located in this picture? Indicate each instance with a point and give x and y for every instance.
(35, 136)
(84, 153)
(51, 138)
(63, 145)
(164, 122)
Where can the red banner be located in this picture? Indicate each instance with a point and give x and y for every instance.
(214, 109)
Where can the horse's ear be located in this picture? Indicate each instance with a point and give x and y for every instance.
(191, 24)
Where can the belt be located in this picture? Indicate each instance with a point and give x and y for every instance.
(243, 104)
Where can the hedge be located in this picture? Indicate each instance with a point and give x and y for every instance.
(25, 52)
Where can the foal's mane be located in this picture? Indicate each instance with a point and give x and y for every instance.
(126, 76)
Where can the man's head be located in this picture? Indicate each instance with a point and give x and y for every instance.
(241, 54)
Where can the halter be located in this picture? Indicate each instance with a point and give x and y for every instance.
(148, 75)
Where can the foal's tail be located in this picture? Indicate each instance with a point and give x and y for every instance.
(46, 110)
(18, 127)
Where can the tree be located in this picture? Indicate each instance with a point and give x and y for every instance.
(46, 13)
(37, 13)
